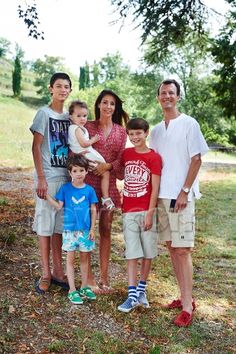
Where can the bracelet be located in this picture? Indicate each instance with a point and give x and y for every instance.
(41, 176)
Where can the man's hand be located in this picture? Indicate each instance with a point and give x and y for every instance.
(42, 188)
(181, 201)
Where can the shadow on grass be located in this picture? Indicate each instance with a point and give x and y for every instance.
(32, 102)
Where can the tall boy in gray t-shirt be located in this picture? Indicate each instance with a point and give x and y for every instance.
(50, 152)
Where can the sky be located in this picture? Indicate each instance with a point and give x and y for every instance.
(77, 30)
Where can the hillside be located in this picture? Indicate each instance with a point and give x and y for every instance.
(28, 77)
(15, 137)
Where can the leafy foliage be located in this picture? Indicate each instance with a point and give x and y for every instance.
(44, 70)
(170, 20)
(29, 15)
(4, 47)
(224, 52)
(171, 26)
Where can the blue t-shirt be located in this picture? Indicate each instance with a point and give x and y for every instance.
(77, 202)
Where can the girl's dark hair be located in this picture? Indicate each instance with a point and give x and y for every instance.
(119, 116)
(77, 160)
(168, 82)
(137, 123)
(62, 76)
(76, 103)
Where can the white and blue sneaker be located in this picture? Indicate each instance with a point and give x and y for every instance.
(128, 305)
(142, 299)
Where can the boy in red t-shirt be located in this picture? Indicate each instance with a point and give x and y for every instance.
(142, 171)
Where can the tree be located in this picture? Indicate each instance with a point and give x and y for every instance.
(16, 74)
(166, 22)
(44, 70)
(108, 68)
(95, 74)
(224, 53)
(16, 77)
(87, 74)
(84, 76)
(29, 14)
(4, 47)
(82, 84)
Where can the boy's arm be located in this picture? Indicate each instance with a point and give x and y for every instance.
(54, 203)
(42, 186)
(82, 141)
(153, 202)
(93, 221)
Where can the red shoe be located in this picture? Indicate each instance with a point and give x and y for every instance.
(184, 319)
(176, 304)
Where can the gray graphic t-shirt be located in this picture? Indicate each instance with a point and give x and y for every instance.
(54, 128)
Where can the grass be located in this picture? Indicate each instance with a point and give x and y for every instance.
(15, 137)
(53, 325)
(218, 156)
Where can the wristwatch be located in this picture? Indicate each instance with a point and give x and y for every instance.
(186, 190)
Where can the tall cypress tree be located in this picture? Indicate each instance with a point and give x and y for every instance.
(82, 83)
(16, 77)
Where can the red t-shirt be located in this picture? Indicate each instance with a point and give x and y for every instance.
(139, 168)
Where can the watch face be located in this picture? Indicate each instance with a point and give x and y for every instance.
(186, 190)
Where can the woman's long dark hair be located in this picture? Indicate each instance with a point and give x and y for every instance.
(119, 116)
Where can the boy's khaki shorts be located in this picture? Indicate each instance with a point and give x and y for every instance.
(47, 220)
(139, 243)
(179, 228)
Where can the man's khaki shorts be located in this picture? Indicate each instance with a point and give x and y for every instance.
(139, 243)
(47, 220)
(179, 228)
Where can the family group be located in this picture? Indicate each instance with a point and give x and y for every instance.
(77, 164)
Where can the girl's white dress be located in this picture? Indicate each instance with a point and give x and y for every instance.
(75, 147)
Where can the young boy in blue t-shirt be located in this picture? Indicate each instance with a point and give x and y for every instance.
(79, 202)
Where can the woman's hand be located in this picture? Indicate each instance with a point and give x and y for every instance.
(102, 168)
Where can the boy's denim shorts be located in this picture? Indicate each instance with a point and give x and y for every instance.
(77, 241)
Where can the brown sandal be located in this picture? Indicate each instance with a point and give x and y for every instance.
(42, 285)
(106, 289)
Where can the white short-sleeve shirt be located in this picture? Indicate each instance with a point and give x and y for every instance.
(177, 144)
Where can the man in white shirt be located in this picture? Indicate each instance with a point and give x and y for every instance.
(179, 141)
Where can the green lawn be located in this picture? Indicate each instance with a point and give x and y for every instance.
(218, 156)
(15, 137)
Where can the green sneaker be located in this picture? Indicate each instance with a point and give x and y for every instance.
(87, 293)
(75, 298)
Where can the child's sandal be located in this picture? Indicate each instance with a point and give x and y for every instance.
(108, 203)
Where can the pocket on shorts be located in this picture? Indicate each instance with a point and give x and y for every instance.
(186, 227)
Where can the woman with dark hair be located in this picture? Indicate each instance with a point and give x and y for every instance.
(109, 118)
